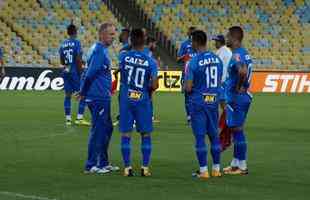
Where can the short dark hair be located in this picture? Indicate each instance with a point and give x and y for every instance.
(236, 32)
(137, 37)
(71, 30)
(200, 37)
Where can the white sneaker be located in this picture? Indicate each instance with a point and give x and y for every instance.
(103, 171)
(92, 170)
(112, 168)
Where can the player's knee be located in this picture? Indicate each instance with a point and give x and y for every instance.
(200, 141)
(68, 95)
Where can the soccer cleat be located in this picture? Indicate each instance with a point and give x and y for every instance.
(68, 122)
(82, 122)
(204, 175)
(112, 168)
(238, 172)
(216, 173)
(145, 171)
(235, 171)
(128, 172)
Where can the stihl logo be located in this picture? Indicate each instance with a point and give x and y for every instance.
(287, 83)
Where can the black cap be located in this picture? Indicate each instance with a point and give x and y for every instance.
(220, 38)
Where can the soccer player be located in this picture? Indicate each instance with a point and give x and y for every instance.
(185, 53)
(138, 80)
(96, 90)
(124, 39)
(70, 53)
(238, 98)
(202, 84)
(2, 71)
(225, 55)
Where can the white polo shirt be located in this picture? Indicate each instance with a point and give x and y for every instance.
(225, 55)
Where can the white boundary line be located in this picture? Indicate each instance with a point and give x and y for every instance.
(13, 194)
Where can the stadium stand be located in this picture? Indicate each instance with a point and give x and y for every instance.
(277, 31)
(32, 30)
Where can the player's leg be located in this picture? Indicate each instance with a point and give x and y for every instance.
(126, 127)
(236, 117)
(146, 150)
(94, 143)
(144, 124)
(212, 130)
(186, 102)
(106, 128)
(198, 123)
(82, 104)
(67, 107)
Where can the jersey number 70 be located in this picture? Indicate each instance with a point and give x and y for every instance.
(137, 74)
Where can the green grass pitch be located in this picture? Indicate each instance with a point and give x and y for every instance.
(40, 158)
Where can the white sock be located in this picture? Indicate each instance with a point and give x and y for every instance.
(216, 167)
(68, 117)
(242, 164)
(203, 169)
(234, 162)
(79, 116)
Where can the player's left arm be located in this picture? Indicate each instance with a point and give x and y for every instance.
(189, 76)
(242, 72)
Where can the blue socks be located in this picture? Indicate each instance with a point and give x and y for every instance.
(126, 148)
(240, 146)
(67, 106)
(82, 105)
(216, 150)
(201, 150)
(146, 149)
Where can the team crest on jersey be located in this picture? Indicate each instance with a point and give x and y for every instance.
(237, 57)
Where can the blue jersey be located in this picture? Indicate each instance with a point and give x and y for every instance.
(205, 70)
(186, 49)
(69, 50)
(240, 56)
(96, 83)
(137, 71)
(148, 52)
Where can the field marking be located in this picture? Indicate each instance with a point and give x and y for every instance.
(13, 194)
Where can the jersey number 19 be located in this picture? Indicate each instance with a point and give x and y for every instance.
(211, 77)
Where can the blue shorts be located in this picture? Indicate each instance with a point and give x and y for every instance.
(71, 83)
(138, 112)
(204, 120)
(237, 110)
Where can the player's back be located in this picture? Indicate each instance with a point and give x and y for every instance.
(240, 56)
(207, 69)
(136, 70)
(69, 50)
